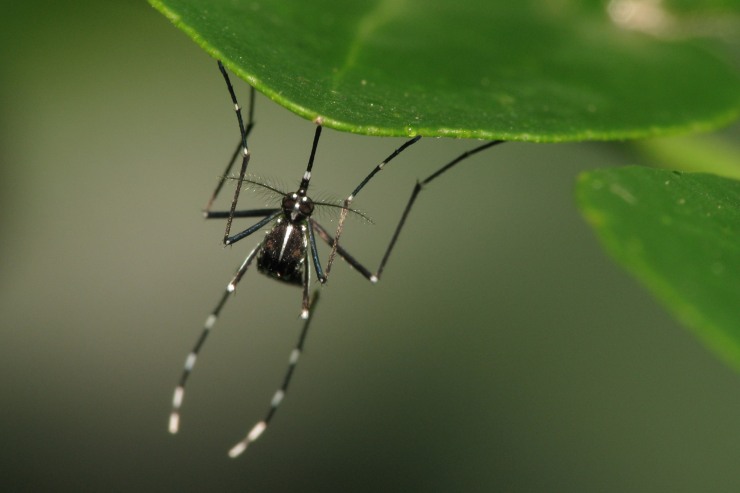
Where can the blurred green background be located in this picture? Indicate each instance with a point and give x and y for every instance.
(502, 350)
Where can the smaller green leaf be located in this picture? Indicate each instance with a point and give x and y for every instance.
(678, 233)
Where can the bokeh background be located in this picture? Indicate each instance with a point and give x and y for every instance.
(502, 351)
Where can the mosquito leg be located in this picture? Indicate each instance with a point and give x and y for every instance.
(415, 192)
(230, 240)
(324, 235)
(247, 213)
(277, 398)
(235, 154)
(417, 188)
(245, 152)
(306, 307)
(207, 326)
(307, 175)
(348, 200)
(315, 252)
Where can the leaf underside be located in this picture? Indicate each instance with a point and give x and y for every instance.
(526, 70)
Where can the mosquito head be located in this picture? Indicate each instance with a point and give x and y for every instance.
(297, 206)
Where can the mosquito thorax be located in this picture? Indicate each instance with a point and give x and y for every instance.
(297, 206)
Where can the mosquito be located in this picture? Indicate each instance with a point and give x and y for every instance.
(288, 251)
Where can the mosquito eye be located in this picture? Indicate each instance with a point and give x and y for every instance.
(306, 207)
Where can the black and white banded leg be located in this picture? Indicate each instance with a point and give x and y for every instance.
(348, 200)
(257, 430)
(234, 156)
(334, 243)
(243, 133)
(179, 395)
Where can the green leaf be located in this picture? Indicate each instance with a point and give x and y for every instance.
(678, 233)
(522, 70)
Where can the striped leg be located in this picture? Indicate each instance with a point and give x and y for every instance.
(207, 326)
(245, 151)
(314, 251)
(334, 243)
(306, 305)
(277, 398)
(234, 155)
(348, 200)
(324, 235)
